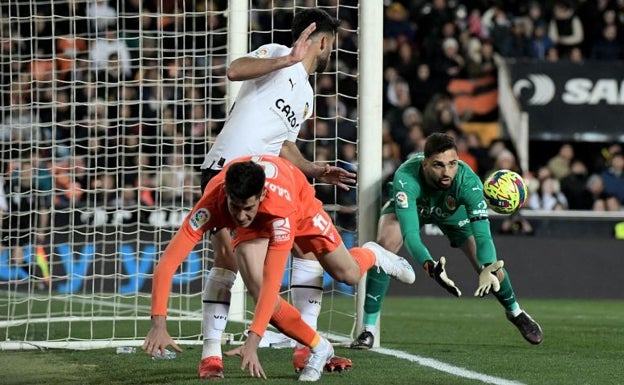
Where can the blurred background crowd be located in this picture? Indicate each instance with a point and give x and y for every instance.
(114, 103)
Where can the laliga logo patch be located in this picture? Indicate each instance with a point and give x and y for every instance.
(306, 108)
(199, 218)
(281, 230)
(451, 203)
(261, 53)
(401, 200)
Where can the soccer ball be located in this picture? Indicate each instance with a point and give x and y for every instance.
(505, 191)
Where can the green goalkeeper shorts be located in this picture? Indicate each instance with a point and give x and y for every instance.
(456, 227)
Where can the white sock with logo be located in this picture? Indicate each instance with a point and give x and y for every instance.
(306, 289)
(216, 298)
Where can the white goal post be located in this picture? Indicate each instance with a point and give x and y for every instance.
(106, 112)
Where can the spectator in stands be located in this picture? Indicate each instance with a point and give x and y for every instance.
(430, 21)
(21, 121)
(496, 147)
(146, 181)
(565, 29)
(125, 206)
(411, 115)
(397, 26)
(111, 80)
(347, 42)
(535, 17)
(101, 16)
(407, 62)
(101, 171)
(173, 178)
(603, 160)
(610, 17)
(505, 160)
(109, 43)
(69, 178)
(576, 55)
(390, 160)
(133, 24)
(552, 55)
(548, 197)
(540, 42)
(399, 100)
(498, 25)
(423, 87)
(481, 60)
(431, 114)
(609, 46)
(613, 177)
(559, 164)
(415, 142)
(397, 90)
(574, 187)
(475, 25)
(26, 218)
(475, 147)
(448, 121)
(38, 33)
(601, 201)
(450, 64)
(463, 152)
(519, 46)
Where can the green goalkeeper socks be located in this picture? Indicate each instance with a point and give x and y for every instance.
(377, 283)
(506, 295)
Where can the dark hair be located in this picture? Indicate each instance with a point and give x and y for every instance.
(244, 180)
(325, 23)
(437, 143)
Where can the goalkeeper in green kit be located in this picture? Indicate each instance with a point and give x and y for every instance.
(436, 187)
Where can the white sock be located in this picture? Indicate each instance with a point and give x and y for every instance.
(322, 345)
(306, 289)
(516, 312)
(216, 298)
(371, 328)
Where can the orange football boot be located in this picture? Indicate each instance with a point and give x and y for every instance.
(210, 368)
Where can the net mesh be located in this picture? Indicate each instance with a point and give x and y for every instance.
(107, 110)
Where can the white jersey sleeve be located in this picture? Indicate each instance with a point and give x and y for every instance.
(268, 110)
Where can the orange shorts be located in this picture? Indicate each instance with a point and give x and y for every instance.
(314, 232)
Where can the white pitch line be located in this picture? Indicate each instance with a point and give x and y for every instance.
(444, 367)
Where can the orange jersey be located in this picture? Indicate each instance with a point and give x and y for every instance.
(289, 213)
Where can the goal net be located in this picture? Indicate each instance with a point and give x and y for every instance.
(107, 110)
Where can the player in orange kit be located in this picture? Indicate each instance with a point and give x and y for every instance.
(270, 206)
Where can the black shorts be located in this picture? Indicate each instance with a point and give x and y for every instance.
(207, 174)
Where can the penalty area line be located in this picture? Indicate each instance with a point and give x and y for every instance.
(447, 368)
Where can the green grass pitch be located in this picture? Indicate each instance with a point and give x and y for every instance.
(583, 344)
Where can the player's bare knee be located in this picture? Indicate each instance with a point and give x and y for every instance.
(347, 276)
(390, 240)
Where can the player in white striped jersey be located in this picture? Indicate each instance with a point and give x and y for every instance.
(274, 100)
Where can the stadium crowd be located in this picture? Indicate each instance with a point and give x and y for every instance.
(121, 115)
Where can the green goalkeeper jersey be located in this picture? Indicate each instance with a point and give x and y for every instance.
(459, 211)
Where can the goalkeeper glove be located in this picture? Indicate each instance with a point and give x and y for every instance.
(437, 271)
(488, 279)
